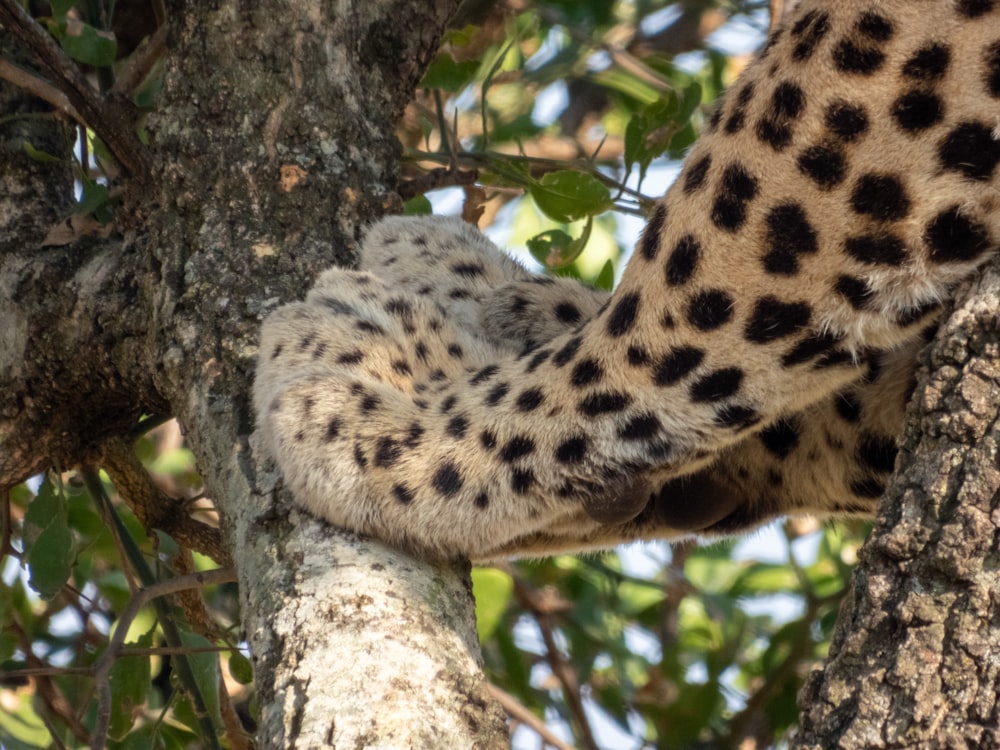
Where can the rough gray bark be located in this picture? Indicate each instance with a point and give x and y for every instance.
(273, 146)
(913, 661)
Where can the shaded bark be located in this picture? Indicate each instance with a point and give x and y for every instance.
(272, 147)
(913, 660)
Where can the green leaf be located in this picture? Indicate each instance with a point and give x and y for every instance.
(40, 156)
(567, 195)
(48, 541)
(88, 45)
(205, 667)
(61, 7)
(492, 589)
(50, 561)
(129, 682)
(46, 506)
(606, 278)
(241, 669)
(418, 206)
(448, 75)
(95, 196)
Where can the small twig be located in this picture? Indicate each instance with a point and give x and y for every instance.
(437, 178)
(135, 70)
(562, 671)
(39, 88)
(518, 711)
(102, 668)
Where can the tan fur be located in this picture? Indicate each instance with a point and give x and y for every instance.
(450, 402)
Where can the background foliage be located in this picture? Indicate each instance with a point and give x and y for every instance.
(555, 125)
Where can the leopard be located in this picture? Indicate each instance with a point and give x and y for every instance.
(755, 360)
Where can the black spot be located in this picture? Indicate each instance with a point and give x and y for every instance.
(482, 500)
(916, 314)
(572, 451)
(459, 294)
(876, 249)
(414, 435)
(447, 480)
(568, 351)
(420, 349)
(683, 260)
(848, 406)
(448, 403)
(538, 359)
(485, 374)
(774, 133)
(387, 451)
(649, 245)
(623, 314)
(856, 291)
(737, 188)
(955, 238)
(880, 196)
(867, 488)
(874, 26)
(497, 393)
(846, 121)
(351, 358)
(736, 417)
(277, 351)
(403, 494)
(333, 429)
(530, 399)
(710, 309)
(370, 403)
(773, 319)
(852, 58)
(823, 165)
(717, 385)
(457, 426)
(992, 76)
(813, 27)
(974, 8)
(521, 480)
(694, 177)
(637, 356)
(488, 439)
(567, 312)
(468, 270)
(667, 321)
(585, 372)
(320, 350)
(789, 234)
(642, 427)
(359, 456)
(366, 326)
(517, 447)
(781, 438)
(676, 364)
(835, 358)
(788, 100)
(736, 120)
(918, 110)
(971, 149)
(928, 63)
(399, 307)
(401, 367)
(810, 347)
(604, 403)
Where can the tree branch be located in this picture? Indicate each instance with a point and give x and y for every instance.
(113, 120)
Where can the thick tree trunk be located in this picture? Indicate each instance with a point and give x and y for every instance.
(913, 662)
(273, 146)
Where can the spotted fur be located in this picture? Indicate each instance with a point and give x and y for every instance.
(754, 362)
